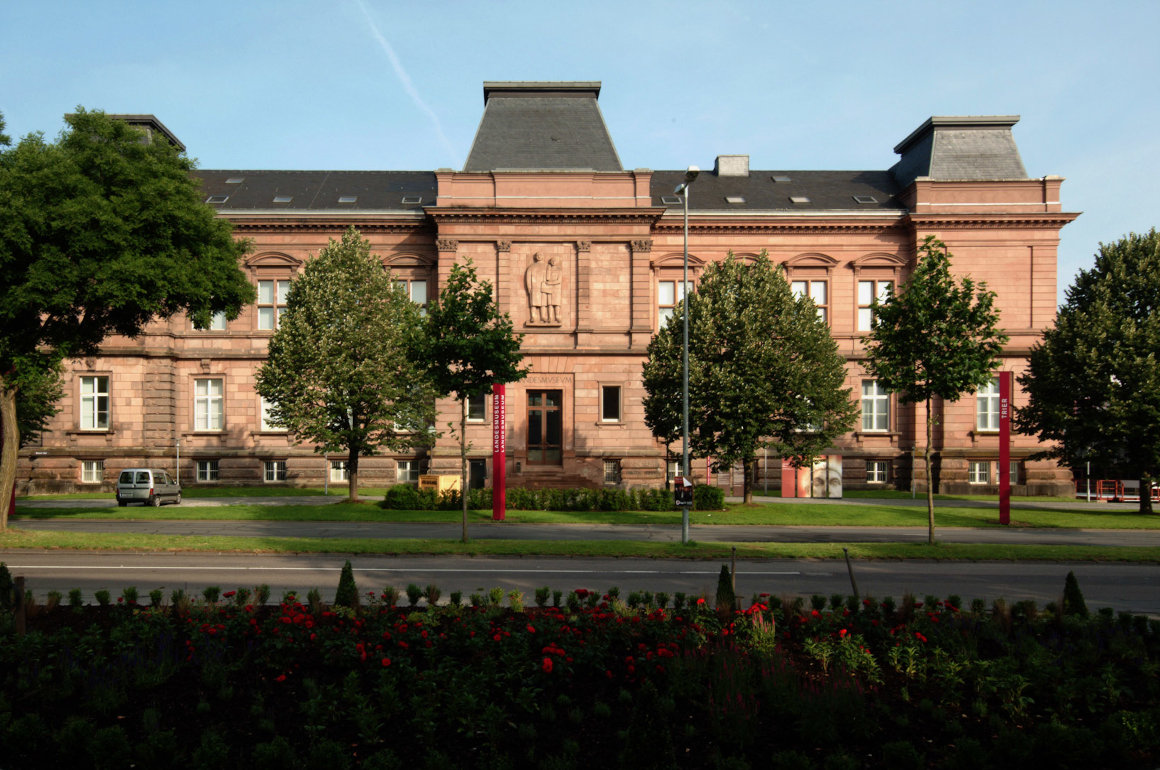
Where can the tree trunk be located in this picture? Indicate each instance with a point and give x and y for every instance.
(9, 446)
(748, 469)
(929, 477)
(463, 461)
(1146, 496)
(352, 475)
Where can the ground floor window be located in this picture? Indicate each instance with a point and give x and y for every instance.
(545, 427)
(92, 471)
(612, 471)
(877, 471)
(979, 471)
(338, 471)
(275, 470)
(407, 471)
(207, 470)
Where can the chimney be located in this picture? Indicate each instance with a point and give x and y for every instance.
(732, 165)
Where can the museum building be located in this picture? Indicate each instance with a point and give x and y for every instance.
(586, 258)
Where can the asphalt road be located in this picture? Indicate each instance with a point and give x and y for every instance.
(1123, 587)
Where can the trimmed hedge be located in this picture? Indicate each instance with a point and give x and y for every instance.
(410, 498)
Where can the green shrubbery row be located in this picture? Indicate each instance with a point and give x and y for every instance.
(410, 498)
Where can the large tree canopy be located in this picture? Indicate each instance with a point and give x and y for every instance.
(1093, 382)
(937, 337)
(339, 372)
(101, 231)
(468, 346)
(764, 371)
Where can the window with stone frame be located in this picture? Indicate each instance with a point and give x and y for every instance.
(979, 471)
(817, 290)
(272, 295)
(870, 291)
(407, 471)
(611, 471)
(92, 471)
(275, 470)
(610, 403)
(208, 404)
(877, 471)
(669, 294)
(207, 470)
(987, 406)
(875, 407)
(94, 402)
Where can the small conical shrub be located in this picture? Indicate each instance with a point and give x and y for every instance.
(347, 593)
(1073, 603)
(7, 590)
(726, 599)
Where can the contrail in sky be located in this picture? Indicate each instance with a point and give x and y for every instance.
(405, 79)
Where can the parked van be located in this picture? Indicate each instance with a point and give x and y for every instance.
(148, 486)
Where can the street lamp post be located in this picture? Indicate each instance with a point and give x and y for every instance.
(683, 191)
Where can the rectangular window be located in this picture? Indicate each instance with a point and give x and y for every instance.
(416, 290)
(338, 471)
(818, 291)
(271, 303)
(673, 468)
(612, 471)
(407, 471)
(267, 426)
(207, 470)
(979, 471)
(545, 427)
(275, 470)
(92, 471)
(1016, 472)
(208, 409)
(669, 293)
(217, 323)
(868, 292)
(476, 408)
(876, 471)
(875, 407)
(610, 403)
(94, 403)
(987, 405)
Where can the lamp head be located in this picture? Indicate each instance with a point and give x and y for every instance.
(690, 174)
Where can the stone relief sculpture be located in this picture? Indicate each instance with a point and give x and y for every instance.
(543, 281)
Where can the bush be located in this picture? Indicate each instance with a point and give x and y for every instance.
(347, 593)
(708, 498)
(1073, 603)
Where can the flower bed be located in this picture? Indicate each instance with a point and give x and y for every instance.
(827, 684)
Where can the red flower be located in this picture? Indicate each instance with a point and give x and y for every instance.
(547, 665)
(386, 662)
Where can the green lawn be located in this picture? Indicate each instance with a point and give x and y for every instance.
(775, 514)
(17, 538)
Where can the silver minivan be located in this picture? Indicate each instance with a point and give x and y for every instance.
(148, 486)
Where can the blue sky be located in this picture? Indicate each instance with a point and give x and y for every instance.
(372, 84)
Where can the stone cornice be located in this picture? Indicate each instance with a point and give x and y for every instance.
(367, 224)
(647, 216)
(991, 221)
(757, 226)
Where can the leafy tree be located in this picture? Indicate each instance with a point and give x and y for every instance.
(468, 346)
(763, 371)
(1093, 382)
(339, 371)
(102, 231)
(936, 337)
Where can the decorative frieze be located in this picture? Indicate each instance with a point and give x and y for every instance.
(447, 244)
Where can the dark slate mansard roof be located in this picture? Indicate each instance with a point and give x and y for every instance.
(558, 127)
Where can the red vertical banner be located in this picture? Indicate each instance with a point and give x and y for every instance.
(498, 453)
(1005, 385)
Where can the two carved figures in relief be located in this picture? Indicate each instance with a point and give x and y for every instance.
(543, 280)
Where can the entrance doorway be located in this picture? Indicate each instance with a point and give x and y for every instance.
(545, 427)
